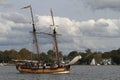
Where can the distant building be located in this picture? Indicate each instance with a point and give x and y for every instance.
(106, 61)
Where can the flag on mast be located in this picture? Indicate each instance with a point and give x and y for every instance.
(29, 6)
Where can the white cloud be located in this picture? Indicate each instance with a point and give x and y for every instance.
(94, 34)
(12, 29)
(102, 34)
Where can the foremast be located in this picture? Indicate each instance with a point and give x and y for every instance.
(34, 35)
(35, 41)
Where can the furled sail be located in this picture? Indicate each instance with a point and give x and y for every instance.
(74, 60)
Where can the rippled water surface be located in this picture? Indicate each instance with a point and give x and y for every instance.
(77, 73)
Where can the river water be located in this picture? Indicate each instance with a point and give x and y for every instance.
(76, 73)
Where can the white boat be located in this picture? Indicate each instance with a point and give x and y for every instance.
(93, 62)
(3, 64)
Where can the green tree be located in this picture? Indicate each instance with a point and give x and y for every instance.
(115, 55)
(98, 57)
(1, 57)
(13, 54)
(88, 51)
(25, 54)
(43, 57)
(72, 54)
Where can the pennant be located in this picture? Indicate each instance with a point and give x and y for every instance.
(29, 6)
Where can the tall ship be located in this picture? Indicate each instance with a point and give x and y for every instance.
(35, 66)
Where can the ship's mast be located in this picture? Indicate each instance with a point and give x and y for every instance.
(55, 39)
(34, 35)
(35, 41)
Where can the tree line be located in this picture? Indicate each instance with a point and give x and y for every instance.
(24, 54)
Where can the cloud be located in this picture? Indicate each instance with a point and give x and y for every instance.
(84, 34)
(12, 29)
(101, 4)
(5, 3)
(102, 34)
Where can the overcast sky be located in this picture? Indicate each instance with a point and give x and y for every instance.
(93, 24)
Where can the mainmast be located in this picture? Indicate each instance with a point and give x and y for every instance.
(55, 39)
(35, 41)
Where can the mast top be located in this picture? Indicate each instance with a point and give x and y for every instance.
(53, 22)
